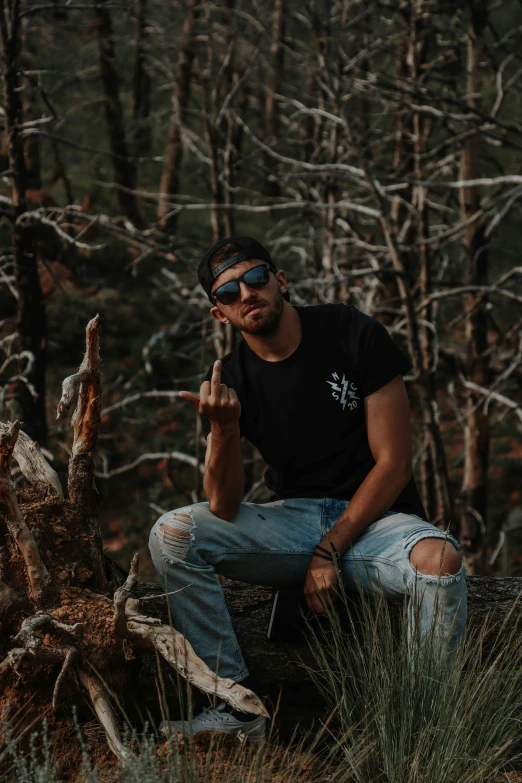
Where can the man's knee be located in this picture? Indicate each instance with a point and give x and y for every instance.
(435, 556)
(174, 532)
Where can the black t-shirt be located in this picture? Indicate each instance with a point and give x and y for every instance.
(305, 413)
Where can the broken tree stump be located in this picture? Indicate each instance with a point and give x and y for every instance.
(68, 629)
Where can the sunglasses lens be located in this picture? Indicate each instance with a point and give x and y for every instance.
(256, 277)
(227, 293)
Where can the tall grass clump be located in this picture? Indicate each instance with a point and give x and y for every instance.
(408, 712)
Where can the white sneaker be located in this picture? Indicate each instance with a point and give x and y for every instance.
(217, 719)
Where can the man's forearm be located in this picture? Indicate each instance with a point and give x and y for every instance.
(224, 475)
(374, 497)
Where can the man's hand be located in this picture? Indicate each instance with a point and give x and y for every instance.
(224, 477)
(320, 585)
(216, 401)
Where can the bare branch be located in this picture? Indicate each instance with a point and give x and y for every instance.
(148, 632)
(36, 571)
(103, 709)
(33, 464)
(489, 393)
(27, 635)
(172, 395)
(176, 455)
(70, 387)
(507, 179)
(121, 596)
(86, 426)
(180, 655)
(29, 219)
(70, 658)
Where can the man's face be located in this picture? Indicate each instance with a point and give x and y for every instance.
(256, 311)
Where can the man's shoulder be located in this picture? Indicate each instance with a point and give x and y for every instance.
(324, 313)
(335, 314)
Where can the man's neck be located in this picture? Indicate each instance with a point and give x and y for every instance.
(283, 342)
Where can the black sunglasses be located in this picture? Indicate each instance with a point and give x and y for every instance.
(257, 277)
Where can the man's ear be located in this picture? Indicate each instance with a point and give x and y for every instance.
(281, 278)
(216, 313)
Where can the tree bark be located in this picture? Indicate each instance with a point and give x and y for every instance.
(124, 169)
(413, 268)
(31, 321)
(37, 573)
(474, 491)
(276, 62)
(86, 424)
(32, 143)
(169, 184)
(141, 84)
(33, 464)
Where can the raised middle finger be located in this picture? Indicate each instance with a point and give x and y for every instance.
(215, 381)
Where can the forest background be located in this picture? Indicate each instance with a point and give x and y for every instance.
(374, 147)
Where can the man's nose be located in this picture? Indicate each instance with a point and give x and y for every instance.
(245, 292)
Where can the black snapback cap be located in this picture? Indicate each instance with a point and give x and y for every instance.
(248, 248)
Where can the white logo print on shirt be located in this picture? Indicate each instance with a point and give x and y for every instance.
(344, 391)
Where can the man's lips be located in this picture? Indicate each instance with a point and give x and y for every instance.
(253, 309)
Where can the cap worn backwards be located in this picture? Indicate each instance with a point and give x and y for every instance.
(248, 247)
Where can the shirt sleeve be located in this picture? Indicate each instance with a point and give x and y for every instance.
(380, 360)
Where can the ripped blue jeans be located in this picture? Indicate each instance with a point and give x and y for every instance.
(271, 544)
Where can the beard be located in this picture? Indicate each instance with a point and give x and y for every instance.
(266, 322)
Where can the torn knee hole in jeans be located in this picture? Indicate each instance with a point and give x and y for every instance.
(176, 534)
(443, 578)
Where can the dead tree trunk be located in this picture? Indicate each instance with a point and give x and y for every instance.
(169, 184)
(412, 266)
(408, 133)
(214, 92)
(275, 73)
(474, 491)
(60, 632)
(32, 143)
(124, 169)
(209, 90)
(141, 83)
(31, 322)
(86, 423)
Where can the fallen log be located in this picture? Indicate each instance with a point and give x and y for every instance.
(278, 666)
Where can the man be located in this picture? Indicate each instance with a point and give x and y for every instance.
(319, 391)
